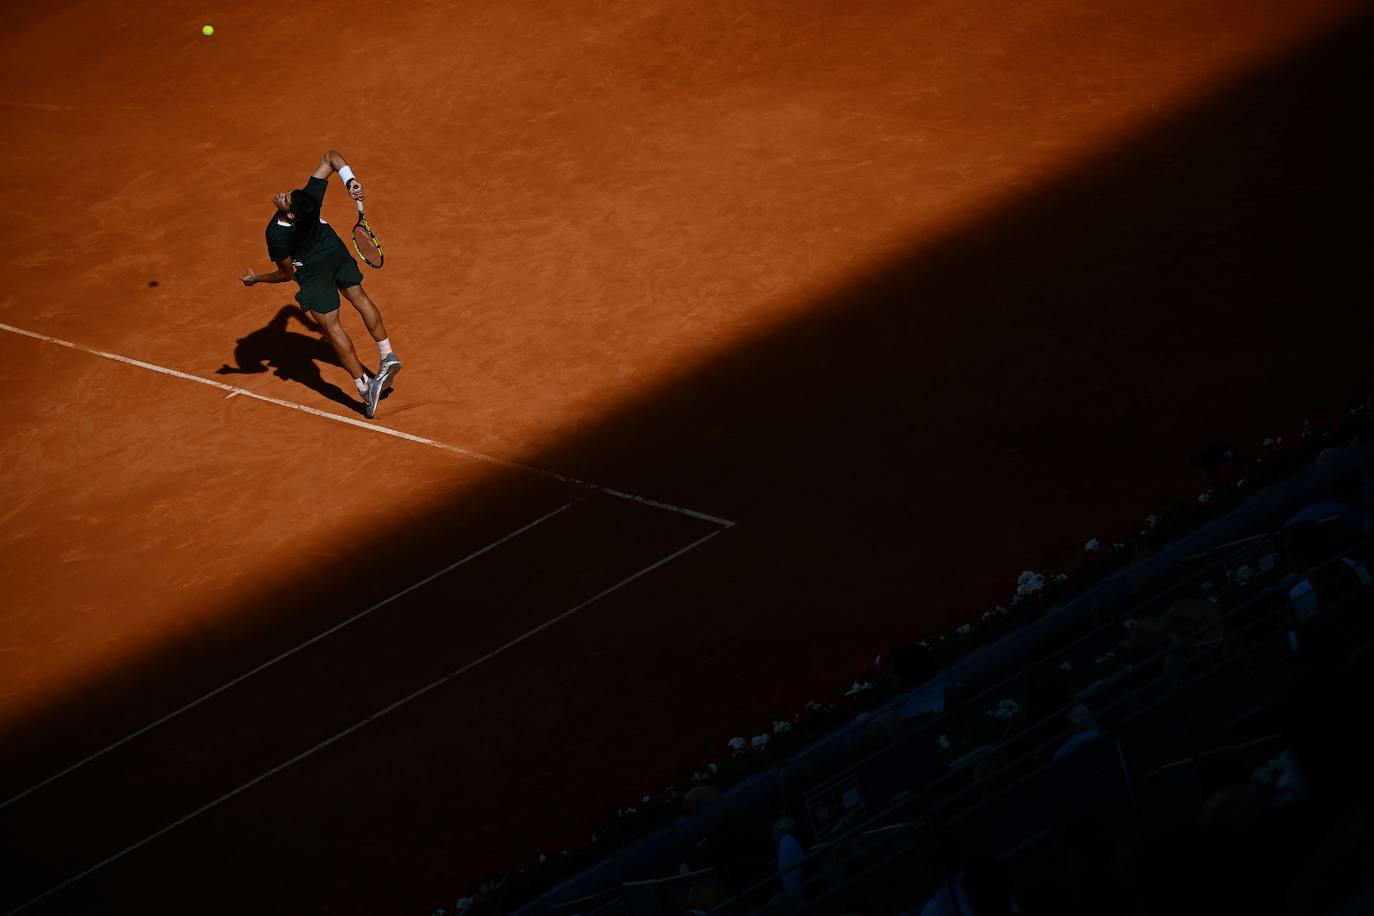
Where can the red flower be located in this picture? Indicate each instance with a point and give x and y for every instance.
(785, 702)
(910, 635)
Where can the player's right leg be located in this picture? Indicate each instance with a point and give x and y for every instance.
(338, 338)
(319, 296)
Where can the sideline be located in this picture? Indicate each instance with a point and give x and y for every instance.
(360, 724)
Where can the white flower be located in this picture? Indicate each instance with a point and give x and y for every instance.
(1151, 520)
(713, 768)
(1205, 496)
(1066, 667)
(1029, 583)
(737, 744)
(1093, 546)
(1269, 442)
(645, 800)
(943, 742)
(759, 742)
(964, 630)
(781, 728)
(542, 858)
(858, 688)
(1005, 709)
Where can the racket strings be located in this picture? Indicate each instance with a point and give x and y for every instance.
(367, 245)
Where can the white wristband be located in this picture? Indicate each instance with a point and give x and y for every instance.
(345, 175)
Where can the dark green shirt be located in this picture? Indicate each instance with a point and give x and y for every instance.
(303, 243)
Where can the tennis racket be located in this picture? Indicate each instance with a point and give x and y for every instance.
(365, 241)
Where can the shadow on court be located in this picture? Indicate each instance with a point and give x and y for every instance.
(291, 356)
(898, 452)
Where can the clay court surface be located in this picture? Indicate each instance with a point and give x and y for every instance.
(739, 338)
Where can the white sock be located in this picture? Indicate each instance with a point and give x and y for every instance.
(362, 384)
(384, 347)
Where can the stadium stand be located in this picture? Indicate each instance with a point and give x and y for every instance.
(1011, 775)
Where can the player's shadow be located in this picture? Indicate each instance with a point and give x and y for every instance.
(291, 356)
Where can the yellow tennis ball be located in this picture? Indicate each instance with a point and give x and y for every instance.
(207, 30)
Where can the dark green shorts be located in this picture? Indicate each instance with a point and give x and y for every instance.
(322, 278)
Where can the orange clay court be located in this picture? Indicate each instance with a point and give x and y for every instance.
(739, 338)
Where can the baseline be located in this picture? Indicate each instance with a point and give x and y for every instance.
(374, 427)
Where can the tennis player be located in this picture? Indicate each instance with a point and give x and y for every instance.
(306, 249)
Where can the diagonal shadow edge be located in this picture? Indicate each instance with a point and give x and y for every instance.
(618, 440)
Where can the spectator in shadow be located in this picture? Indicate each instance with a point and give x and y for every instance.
(1083, 730)
(867, 736)
(790, 856)
(1244, 852)
(739, 857)
(1086, 885)
(1339, 495)
(291, 356)
(1159, 869)
(1325, 728)
(981, 888)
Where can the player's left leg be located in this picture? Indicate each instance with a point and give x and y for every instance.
(350, 281)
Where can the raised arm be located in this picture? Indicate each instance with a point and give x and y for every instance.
(333, 161)
(330, 163)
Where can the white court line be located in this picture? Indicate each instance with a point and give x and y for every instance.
(353, 728)
(288, 653)
(384, 430)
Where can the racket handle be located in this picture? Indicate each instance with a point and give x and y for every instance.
(360, 205)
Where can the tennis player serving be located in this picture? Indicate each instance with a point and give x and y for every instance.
(306, 249)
